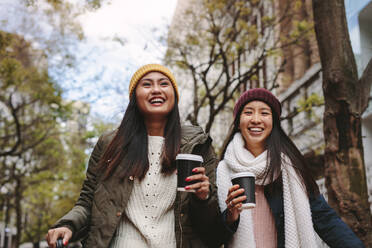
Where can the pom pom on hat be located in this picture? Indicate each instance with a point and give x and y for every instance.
(260, 94)
(142, 71)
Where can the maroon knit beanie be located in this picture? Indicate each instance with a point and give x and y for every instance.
(260, 94)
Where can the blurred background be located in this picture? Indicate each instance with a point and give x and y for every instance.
(65, 68)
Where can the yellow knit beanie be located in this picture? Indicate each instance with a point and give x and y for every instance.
(142, 71)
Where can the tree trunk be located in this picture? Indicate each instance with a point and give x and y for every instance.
(345, 100)
(18, 207)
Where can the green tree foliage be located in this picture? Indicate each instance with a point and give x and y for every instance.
(30, 101)
(224, 46)
(52, 26)
(51, 193)
(42, 164)
(309, 105)
(58, 4)
(42, 167)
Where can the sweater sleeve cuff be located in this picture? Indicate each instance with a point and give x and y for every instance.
(230, 228)
(202, 201)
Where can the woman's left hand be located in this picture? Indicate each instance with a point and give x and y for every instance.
(202, 186)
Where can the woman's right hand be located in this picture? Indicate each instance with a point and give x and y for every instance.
(54, 234)
(234, 203)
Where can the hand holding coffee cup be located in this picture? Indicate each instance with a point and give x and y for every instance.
(234, 204)
(246, 181)
(191, 176)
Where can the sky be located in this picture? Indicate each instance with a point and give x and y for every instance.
(352, 8)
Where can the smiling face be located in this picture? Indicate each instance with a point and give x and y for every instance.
(155, 96)
(256, 123)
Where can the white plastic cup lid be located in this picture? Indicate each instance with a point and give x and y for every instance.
(243, 174)
(187, 156)
(248, 205)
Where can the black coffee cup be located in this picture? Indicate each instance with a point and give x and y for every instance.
(246, 180)
(185, 164)
(59, 243)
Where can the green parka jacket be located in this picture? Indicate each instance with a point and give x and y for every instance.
(97, 213)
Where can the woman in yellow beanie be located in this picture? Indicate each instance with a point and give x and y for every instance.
(129, 198)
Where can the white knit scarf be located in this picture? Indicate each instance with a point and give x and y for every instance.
(299, 231)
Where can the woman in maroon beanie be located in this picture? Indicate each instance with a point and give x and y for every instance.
(289, 211)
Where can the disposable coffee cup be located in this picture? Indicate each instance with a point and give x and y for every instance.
(185, 164)
(246, 180)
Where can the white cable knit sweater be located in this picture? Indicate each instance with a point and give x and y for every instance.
(149, 216)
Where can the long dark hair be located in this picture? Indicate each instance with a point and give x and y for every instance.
(129, 147)
(277, 143)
